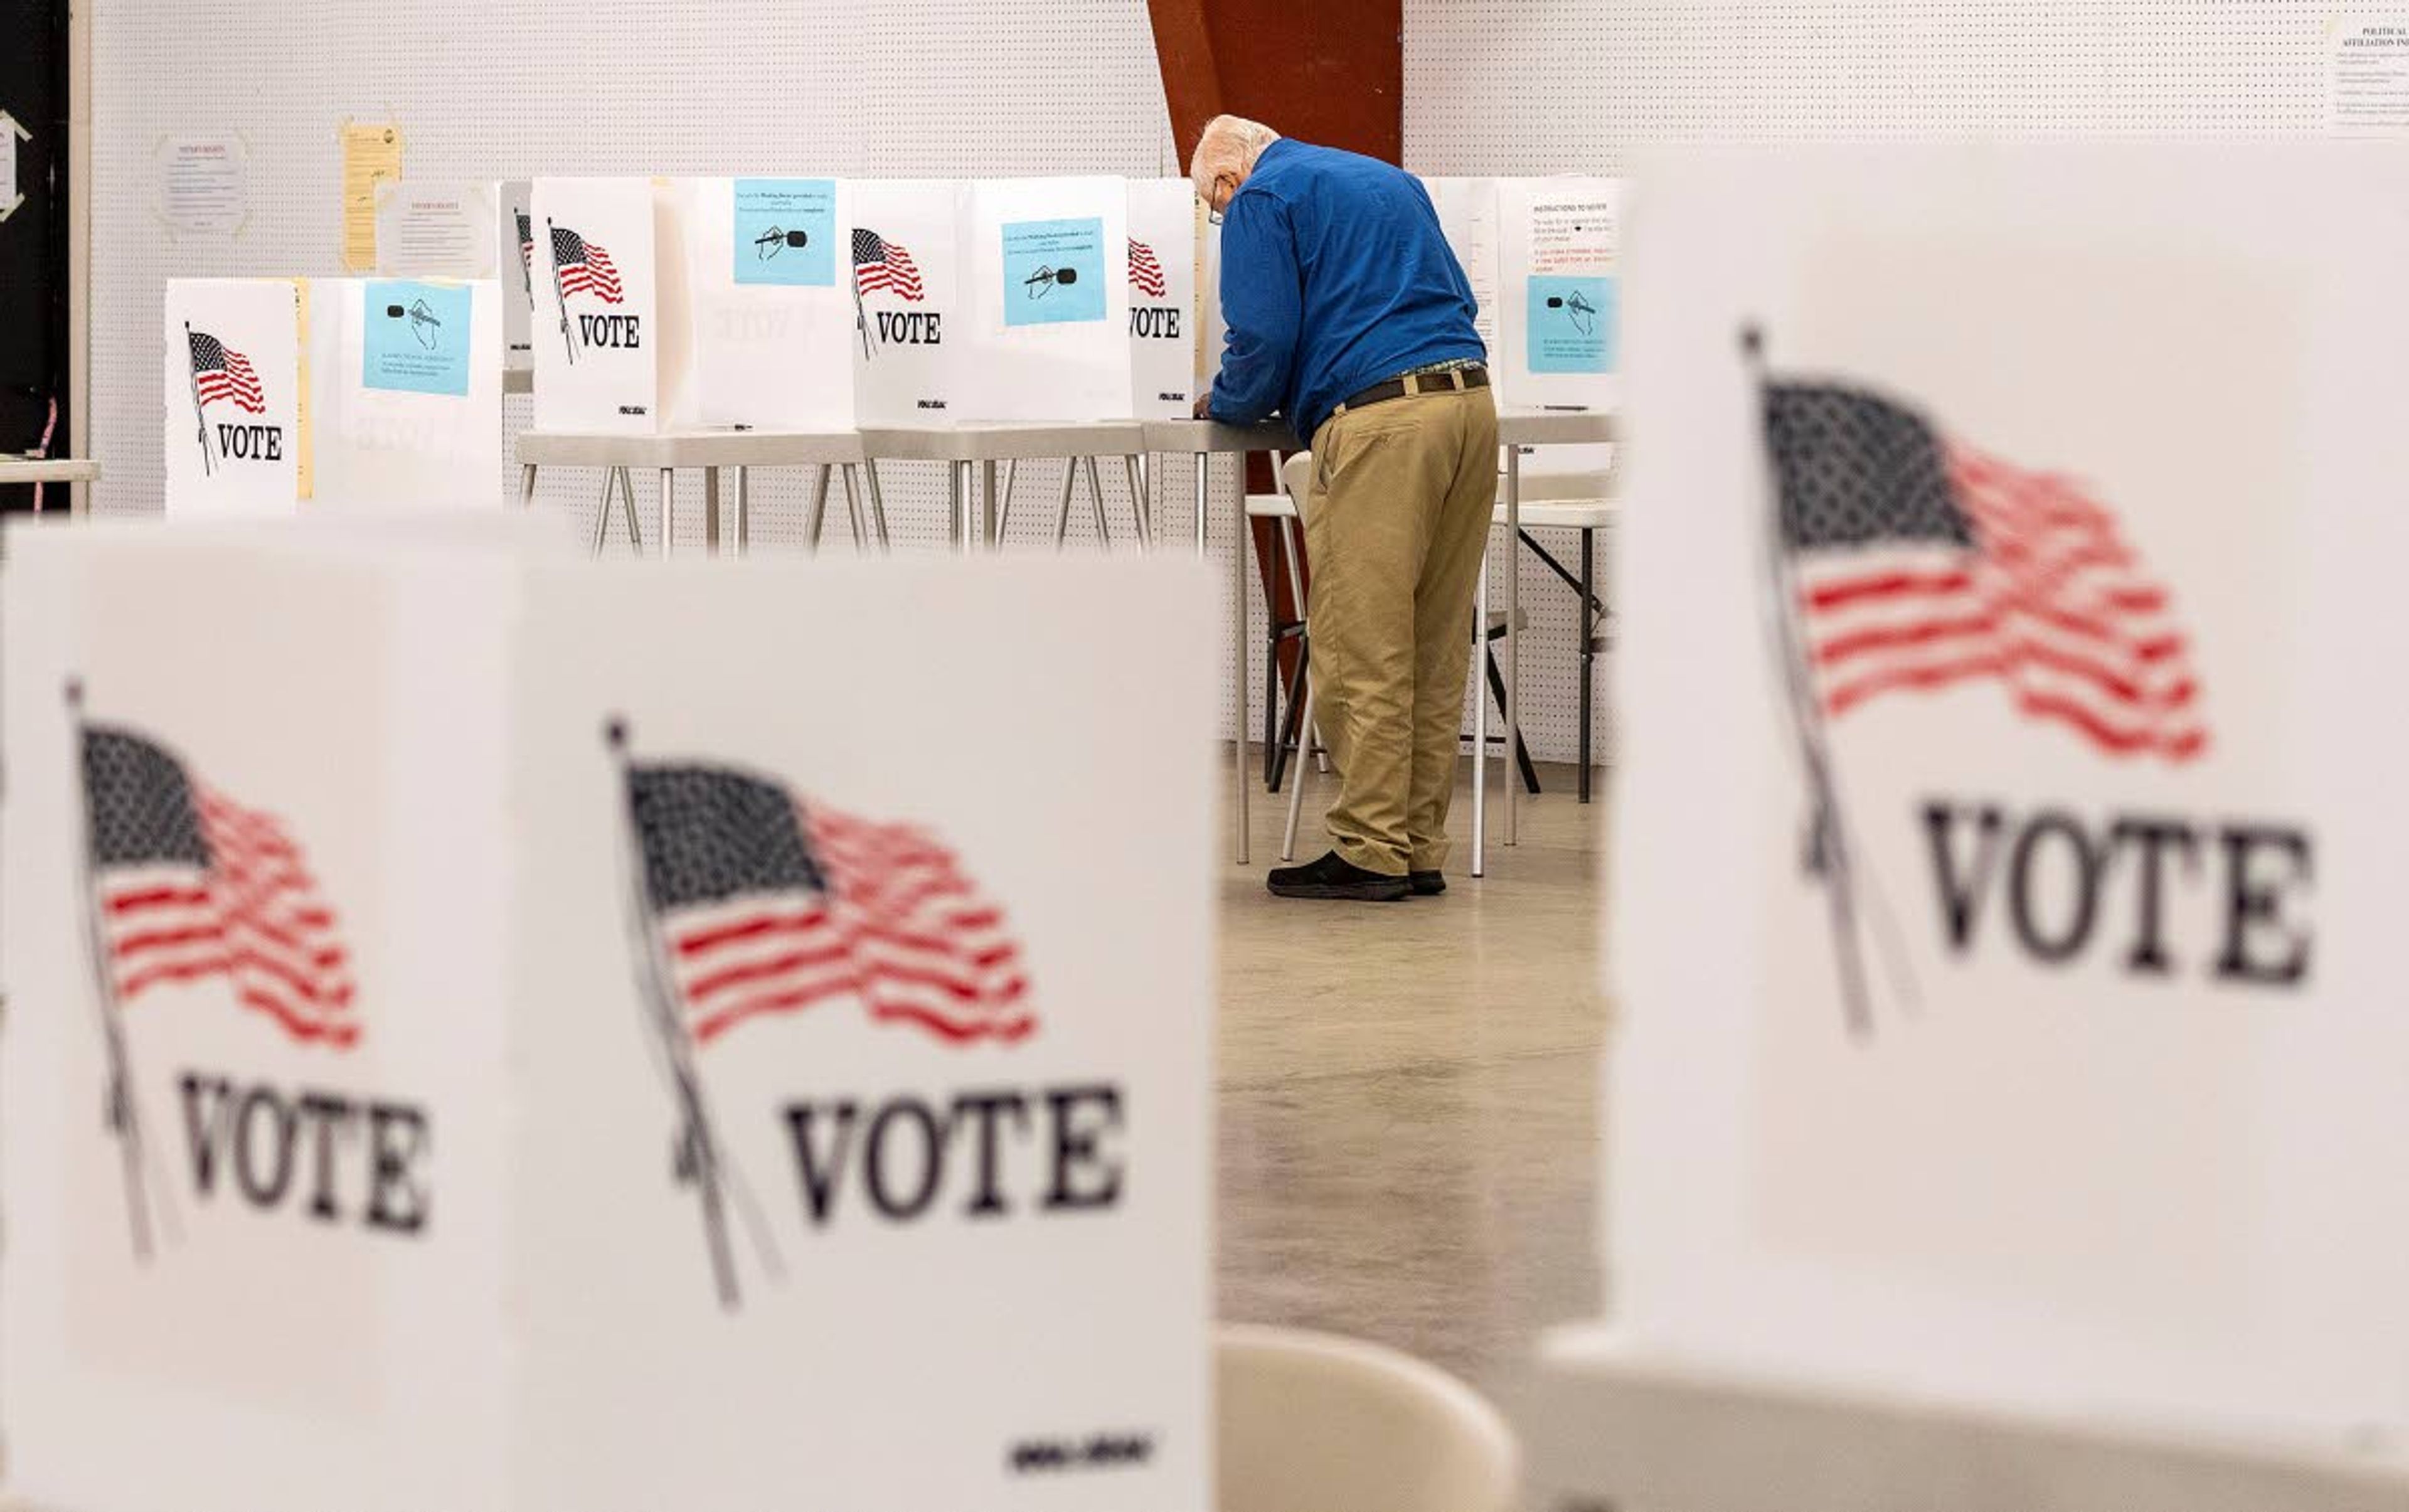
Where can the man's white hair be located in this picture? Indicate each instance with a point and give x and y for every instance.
(1230, 146)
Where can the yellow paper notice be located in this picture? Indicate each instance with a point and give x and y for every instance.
(301, 407)
(371, 155)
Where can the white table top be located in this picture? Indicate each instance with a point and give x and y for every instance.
(57, 469)
(1214, 436)
(1555, 427)
(1005, 440)
(689, 448)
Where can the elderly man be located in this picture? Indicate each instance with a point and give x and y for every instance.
(1349, 314)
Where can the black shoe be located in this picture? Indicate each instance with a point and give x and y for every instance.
(1426, 883)
(1335, 876)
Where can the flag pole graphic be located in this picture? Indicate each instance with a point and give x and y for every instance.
(860, 317)
(200, 421)
(553, 256)
(123, 1112)
(1829, 846)
(698, 1148)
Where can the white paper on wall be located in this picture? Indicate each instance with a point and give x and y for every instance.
(407, 404)
(1048, 262)
(1162, 295)
(234, 395)
(778, 325)
(906, 267)
(434, 230)
(1467, 213)
(978, 1215)
(514, 264)
(2104, 1120)
(609, 346)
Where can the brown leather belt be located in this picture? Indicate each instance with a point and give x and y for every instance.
(1453, 379)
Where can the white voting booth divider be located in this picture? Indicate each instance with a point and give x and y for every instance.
(614, 343)
(407, 392)
(776, 314)
(907, 271)
(2067, 1084)
(547, 1075)
(514, 250)
(1163, 215)
(1047, 307)
(236, 407)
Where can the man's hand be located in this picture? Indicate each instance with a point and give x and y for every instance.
(1204, 410)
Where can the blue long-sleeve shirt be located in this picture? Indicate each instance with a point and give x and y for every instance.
(1334, 276)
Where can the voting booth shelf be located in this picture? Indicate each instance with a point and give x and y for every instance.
(2004, 928)
(464, 1051)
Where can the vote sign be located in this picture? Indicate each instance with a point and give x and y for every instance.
(2003, 920)
(233, 387)
(565, 1059)
(608, 321)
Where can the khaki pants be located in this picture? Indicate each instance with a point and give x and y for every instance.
(1395, 527)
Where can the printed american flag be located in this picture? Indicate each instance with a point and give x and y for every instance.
(221, 372)
(880, 264)
(526, 241)
(1923, 562)
(191, 884)
(1145, 273)
(585, 267)
(768, 904)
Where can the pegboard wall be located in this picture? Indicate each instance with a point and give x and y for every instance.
(1586, 86)
(531, 87)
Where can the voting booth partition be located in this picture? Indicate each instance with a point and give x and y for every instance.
(1045, 333)
(334, 392)
(1164, 215)
(521, 1038)
(515, 264)
(613, 333)
(2009, 836)
(906, 270)
(776, 314)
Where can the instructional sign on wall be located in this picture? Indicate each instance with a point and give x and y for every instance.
(785, 232)
(204, 186)
(371, 156)
(434, 231)
(2368, 75)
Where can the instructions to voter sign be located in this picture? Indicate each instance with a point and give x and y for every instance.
(1573, 324)
(1053, 272)
(417, 338)
(785, 232)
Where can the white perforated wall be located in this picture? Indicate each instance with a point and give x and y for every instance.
(1555, 86)
(528, 87)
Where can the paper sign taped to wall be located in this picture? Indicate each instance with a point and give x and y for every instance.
(372, 155)
(203, 186)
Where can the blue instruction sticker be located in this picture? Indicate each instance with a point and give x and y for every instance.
(785, 232)
(417, 338)
(1574, 324)
(1053, 272)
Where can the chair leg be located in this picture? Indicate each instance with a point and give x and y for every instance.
(1521, 754)
(1296, 791)
(1293, 724)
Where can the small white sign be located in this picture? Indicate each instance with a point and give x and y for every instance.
(608, 322)
(434, 231)
(234, 391)
(514, 250)
(1162, 296)
(203, 185)
(906, 267)
(10, 135)
(2367, 74)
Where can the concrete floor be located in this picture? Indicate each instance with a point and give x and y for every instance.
(1408, 1107)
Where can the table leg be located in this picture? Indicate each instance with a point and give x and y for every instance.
(627, 509)
(819, 509)
(1096, 498)
(877, 504)
(1588, 655)
(1481, 725)
(743, 513)
(602, 510)
(1513, 636)
(1144, 527)
(527, 486)
(1203, 482)
(710, 511)
(958, 524)
(1238, 658)
(853, 512)
(987, 498)
(668, 512)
